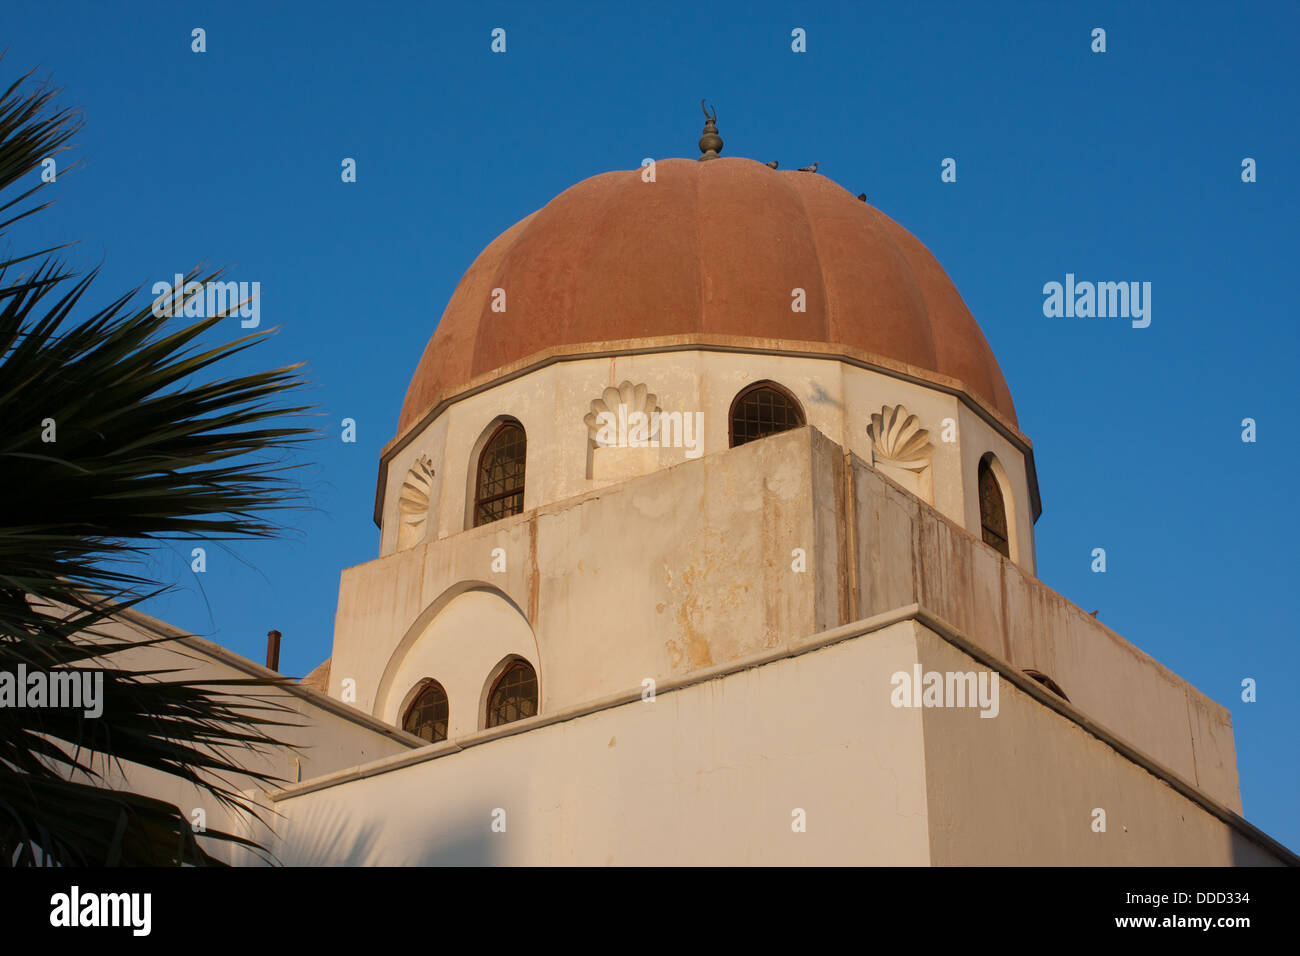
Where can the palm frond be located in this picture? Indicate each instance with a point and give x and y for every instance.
(118, 433)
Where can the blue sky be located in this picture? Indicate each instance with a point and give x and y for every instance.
(1117, 166)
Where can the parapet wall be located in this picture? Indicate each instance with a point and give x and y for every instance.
(906, 552)
(739, 552)
(842, 777)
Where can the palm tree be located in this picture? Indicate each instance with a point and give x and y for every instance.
(148, 445)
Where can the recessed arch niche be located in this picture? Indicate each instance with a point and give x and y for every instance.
(460, 639)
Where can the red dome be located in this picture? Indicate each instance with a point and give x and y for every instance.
(707, 254)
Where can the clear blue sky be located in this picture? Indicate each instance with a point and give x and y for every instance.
(1117, 166)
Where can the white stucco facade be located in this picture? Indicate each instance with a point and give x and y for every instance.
(713, 640)
(711, 629)
(837, 397)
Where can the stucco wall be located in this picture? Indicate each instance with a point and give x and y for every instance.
(328, 738)
(692, 566)
(908, 552)
(838, 400)
(708, 774)
(715, 770)
(1022, 789)
(650, 578)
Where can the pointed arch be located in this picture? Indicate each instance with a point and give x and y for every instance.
(463, 635)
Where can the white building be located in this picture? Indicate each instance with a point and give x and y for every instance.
(605, 653)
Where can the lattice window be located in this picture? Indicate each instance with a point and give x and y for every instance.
(514, 695)
(993, 511)
(499, 490)
(763, 410)
(427, 715)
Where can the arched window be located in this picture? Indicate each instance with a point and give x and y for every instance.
(763, 409)
(499, 488)
(514, 695)
(427, 715)
(993, 510)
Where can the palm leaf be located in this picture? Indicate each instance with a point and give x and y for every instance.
(151, 444)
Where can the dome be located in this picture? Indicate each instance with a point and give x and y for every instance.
(708, 254)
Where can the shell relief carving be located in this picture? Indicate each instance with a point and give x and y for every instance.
(898, 439)
(413, 503)
(622, 411)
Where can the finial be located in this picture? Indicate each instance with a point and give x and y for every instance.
(710, 141)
